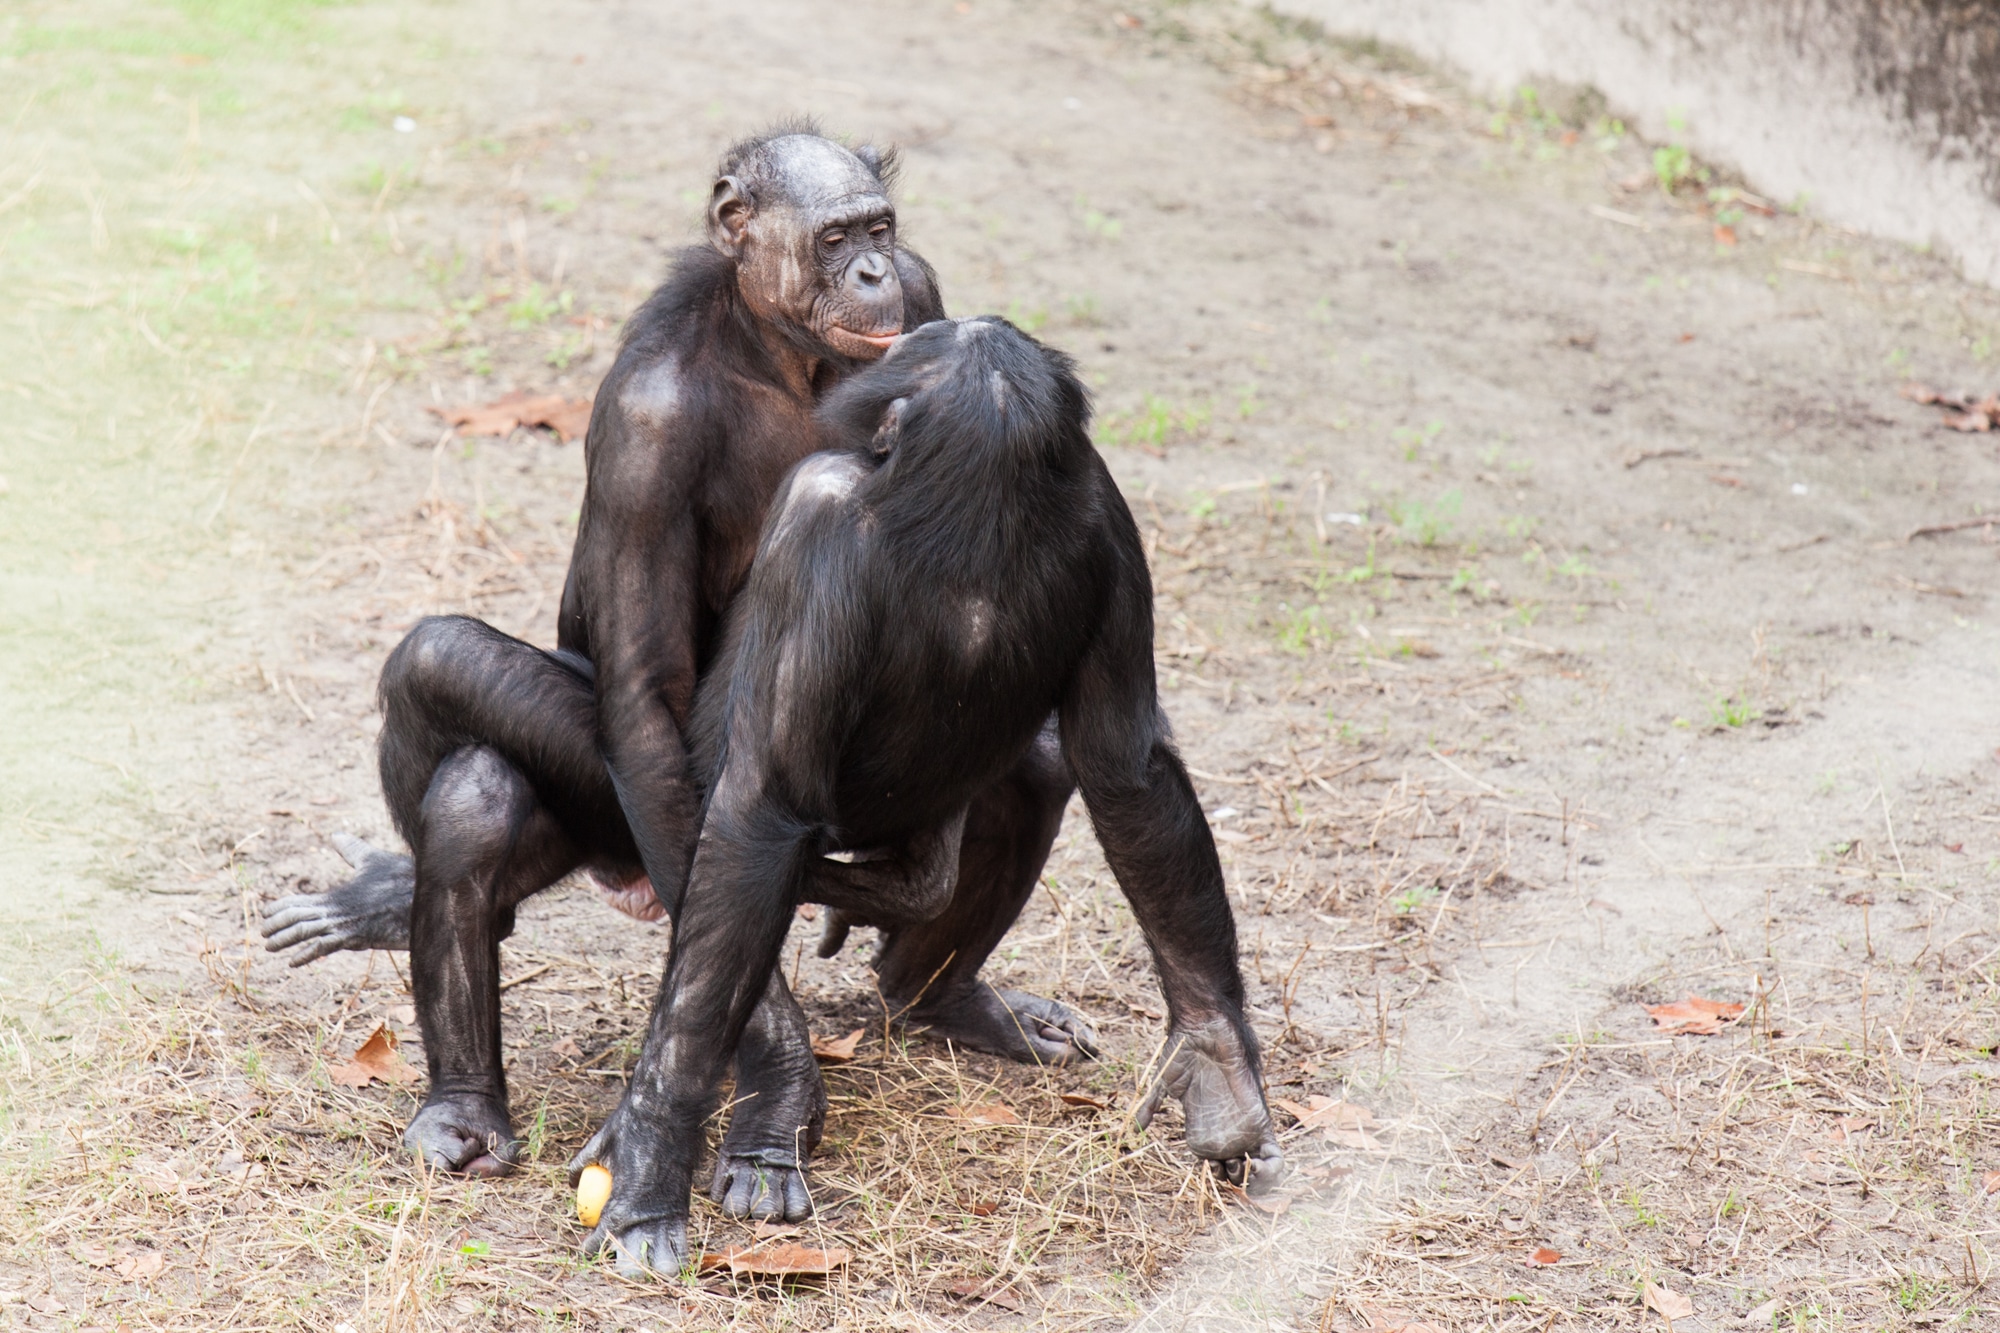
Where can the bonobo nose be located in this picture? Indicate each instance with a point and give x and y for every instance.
(870, 269)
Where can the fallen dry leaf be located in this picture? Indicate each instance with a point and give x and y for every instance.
(1849, 1127)
(989, 1113)
(1762, 1316)
(1084, 1100)
(46, 1305)
(375, 1058)
(1694, 1016)
(978, 1209)
(977, 1289)
(141, 1265)
(1669, 1305)
(1962, 411)
(777, 1261)
(1992, 1182)
(837, 1050)
(566, 1049)
(97, 1256)
(568, 417)
(1341, 1123)
(1545, 1256)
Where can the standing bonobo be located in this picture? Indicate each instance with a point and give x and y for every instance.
(506, 767)
(956, 567)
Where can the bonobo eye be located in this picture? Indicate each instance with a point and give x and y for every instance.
(833, 240)
(879, 230)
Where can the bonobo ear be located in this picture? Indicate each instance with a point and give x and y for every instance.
(729, 210)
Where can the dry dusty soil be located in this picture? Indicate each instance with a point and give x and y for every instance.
(1559, 607)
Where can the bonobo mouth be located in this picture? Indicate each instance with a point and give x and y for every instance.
(866, 346)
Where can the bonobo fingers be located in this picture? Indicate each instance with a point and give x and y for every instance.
(766, 1186)
(1012, 1023)
(641, 1249)
(370, 911)
(465, 1135)
(1210, 1069)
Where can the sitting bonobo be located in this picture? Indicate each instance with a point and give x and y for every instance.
(955, 566)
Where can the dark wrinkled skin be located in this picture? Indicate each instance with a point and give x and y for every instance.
(506, 766)
(919, 606)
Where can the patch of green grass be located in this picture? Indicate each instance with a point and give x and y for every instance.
(1413, 899)
(1730, 712)
(1152, 424)
(1426, 522)
(1634, 1198)
(538, 305)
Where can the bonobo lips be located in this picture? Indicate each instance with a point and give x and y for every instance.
(863, 346)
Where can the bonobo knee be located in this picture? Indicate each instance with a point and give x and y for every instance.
(432, 653)
(471, 814)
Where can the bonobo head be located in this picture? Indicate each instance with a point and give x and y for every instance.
(969, 393)
(813, 234)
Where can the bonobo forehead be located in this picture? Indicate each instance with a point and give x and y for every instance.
(815, 175)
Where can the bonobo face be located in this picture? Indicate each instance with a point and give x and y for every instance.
(814, 238)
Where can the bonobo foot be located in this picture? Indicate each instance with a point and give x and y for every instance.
(644, 1224)
(1012, 1023)
(1212, 1071)
(465, 1134)
(370, 911)
(769, 1186)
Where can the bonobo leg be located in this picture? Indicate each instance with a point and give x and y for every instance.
(930, 971)
(484, 843)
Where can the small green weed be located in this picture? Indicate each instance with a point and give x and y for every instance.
(1412, 900)
(1426, 523)
(1730, 712)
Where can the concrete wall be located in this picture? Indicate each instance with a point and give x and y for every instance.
(1885, 114)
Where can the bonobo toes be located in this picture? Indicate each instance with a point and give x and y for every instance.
(464, 1134)
(767, 1186)
(1211, 1069)
(644, 1223)
(1012, 1023)
(370, 911)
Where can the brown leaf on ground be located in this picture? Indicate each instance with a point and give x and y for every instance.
(1992, 1182)
(1694, 1016)
(977, 1289)
(1962, 411)
(568, 417)
(1668, 1304)
(1849, 1127)
(1918, 393)
(1341, 1123)
(985, 1209)
(987, 1113)
(1084, 1100)
(1545, 1256)
(141, 1265)
(566, 1049)
(837, 1050)
(776, 1261)
(375, 1058)
(98, 1256)
(46, 1305)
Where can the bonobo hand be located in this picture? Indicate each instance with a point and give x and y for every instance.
(370, 911)
(465, 1134)
(1211, 1069)
(645, 1223)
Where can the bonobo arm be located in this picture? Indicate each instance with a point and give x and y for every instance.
(637, 568)
(1158, 844)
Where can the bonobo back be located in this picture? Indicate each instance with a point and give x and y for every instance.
(923, 590)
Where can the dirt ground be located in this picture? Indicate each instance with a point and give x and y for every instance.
(1560, 610)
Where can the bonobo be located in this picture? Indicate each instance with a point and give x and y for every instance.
(954, 568)
(506, 766)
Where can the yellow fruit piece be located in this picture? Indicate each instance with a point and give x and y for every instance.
(593, 1191)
